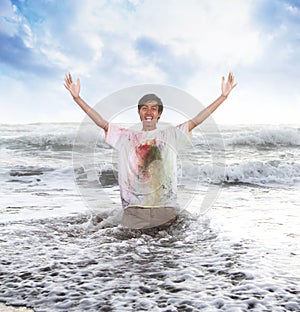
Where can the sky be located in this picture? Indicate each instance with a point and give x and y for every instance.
(117, 44)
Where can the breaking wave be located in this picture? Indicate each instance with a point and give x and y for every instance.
(272, 172)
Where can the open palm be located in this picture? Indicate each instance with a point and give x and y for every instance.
(228, 85)
(71, 86)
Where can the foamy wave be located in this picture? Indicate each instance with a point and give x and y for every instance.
(54, 141)
(257, 173)
(254, 172)
(271, 172)
(39, 142)
(268, 137)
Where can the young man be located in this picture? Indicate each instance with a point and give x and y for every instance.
(147, 158)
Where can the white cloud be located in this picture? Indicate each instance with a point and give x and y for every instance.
(9, 19)
(292, 9)
(189, 45)
(211, 33)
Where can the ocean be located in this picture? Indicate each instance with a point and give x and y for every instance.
(234, 247)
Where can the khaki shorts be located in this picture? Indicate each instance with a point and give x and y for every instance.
(143, 218)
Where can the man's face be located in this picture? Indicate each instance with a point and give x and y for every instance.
(149, 111)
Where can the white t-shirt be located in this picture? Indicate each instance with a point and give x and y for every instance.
(147, 166)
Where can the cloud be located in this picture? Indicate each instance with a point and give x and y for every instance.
(21, 48)
(179, 68)
(14, 53)
(8, 19)
(116, 44)
(186, 35)
(278, 68)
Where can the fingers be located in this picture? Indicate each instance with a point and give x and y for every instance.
(231, 79)
(228, 85)
(68, 79)
(231, 82)
(69, 82)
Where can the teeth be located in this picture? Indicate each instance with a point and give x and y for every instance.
(148, 118)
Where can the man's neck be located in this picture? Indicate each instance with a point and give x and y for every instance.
(149, 125)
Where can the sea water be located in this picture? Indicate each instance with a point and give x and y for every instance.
(62, 248)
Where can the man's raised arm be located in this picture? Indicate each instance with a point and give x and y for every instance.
(206, 112)
(74, 89)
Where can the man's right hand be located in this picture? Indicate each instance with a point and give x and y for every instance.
(73, 88)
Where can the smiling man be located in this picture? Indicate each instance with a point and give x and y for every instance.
(147, 167)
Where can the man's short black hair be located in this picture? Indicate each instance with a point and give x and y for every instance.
(148, 98)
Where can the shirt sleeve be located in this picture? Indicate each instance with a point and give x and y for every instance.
(186, 135)
(113, 135)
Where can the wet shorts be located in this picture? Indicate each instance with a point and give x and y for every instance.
(143, 218)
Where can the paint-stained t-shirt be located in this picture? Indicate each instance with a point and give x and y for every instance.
(147, 164)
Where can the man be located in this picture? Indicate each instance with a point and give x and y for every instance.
(147, 158)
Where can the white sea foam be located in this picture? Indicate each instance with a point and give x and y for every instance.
(268, 136)
(273, 172)
(49, 141)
